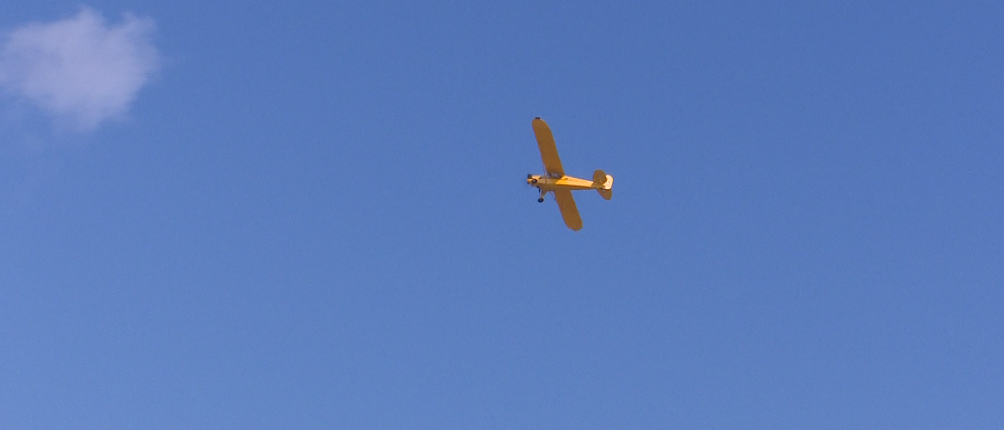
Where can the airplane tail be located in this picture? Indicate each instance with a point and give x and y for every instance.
(604, 184)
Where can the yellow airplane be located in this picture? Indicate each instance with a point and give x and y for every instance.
(555, 181)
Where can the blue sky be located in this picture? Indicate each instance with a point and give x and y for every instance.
(231, 215)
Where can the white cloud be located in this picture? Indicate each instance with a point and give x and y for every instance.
(79, 69)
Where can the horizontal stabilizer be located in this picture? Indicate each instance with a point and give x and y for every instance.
(599, 177)
(603, 180)
(604, 183)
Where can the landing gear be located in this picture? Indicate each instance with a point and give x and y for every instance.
(540, 200)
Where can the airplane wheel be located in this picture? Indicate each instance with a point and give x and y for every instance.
(540, 200)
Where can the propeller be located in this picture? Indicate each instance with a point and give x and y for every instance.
(529, 177)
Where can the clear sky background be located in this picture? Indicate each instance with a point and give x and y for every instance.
(313, 215)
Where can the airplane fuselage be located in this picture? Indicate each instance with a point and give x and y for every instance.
(545, 183)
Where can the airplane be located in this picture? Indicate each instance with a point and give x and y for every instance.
(556, 182)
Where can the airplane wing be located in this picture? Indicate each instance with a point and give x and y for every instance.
(568, 210)
(548, 152)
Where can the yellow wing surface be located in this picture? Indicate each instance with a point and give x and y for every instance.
(548, 152)
(568, 210)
